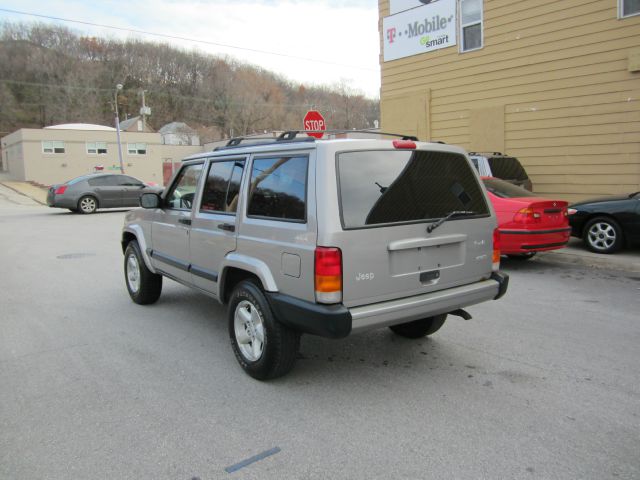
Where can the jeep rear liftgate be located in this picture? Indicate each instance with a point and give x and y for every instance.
(393, 203)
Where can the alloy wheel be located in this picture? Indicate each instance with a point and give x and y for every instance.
(88, 205)
(133, 273)
(602, 236)
(249, 330)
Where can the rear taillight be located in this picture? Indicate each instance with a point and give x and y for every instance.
(328, 267)
(527, 216)
(60, 190)
(496, 250)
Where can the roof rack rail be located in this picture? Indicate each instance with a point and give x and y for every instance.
(237, 142)
(292, 136)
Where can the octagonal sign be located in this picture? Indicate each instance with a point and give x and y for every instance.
(314, 120)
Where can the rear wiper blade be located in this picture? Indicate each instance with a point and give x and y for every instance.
(631, 195)
(435, 225)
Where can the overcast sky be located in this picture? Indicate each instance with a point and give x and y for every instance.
(330, 40)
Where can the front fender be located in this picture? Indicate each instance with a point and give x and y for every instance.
(138, 233)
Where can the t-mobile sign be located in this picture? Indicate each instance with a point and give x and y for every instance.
(420, 30)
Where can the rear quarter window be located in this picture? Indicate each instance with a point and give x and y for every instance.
(278, 188)
(384, 187)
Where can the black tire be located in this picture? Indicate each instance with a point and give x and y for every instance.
(602, 235)
(87, 204)
(522, 256)
(143, 285)
(275, 355)
(419, 328)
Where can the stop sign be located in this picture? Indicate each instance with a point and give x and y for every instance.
(314, 120)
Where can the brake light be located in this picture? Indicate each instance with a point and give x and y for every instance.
(496, 250)
(328, 275)
(404, 144)
(60, 190)
(527, 216)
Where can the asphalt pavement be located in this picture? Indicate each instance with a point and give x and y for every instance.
(541, 384)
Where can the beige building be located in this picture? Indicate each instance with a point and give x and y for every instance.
(56, 154)
(555, 83)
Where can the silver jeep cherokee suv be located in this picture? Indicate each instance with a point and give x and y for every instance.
(326, 237)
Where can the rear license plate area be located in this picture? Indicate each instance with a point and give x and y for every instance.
(426, 259)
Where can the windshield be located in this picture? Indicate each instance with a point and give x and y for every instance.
(386, 187)
(507, 167)
(503, 189)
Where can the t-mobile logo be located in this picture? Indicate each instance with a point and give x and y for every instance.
(391, 34)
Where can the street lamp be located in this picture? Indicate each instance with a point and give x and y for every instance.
(118, 88)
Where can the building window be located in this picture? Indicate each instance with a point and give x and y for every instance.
(471, 25)
(53, 146)
(627, 8)
(137, 148)
(97, 148)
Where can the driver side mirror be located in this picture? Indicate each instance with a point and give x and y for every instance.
(150, 200)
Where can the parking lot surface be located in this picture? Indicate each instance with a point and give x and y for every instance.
(543, 383)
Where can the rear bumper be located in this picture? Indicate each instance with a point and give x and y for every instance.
(337, 321)
(331, 321)
(58, 201)
(522, 241)
(421, 306)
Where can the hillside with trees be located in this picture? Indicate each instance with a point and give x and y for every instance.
(52, 75)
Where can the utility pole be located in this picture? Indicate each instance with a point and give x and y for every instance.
(118, 88)
(144, 111)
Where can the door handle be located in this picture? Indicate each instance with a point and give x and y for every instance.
(185, 221)
(227, 227)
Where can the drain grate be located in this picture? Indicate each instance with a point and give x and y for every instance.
(69, 256)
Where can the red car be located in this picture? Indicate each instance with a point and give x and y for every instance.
(527, 223)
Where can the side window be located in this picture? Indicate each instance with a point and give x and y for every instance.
(103, 181)
(222, 187)
(184, 188)
(278, 188)
(470, 25)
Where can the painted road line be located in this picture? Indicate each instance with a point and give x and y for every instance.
(249, 461)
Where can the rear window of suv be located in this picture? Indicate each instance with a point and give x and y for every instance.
(507, 168)
(390, 186)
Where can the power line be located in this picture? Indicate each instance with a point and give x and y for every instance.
(176, 37)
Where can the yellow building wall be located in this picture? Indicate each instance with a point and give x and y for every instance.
(553, 82)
